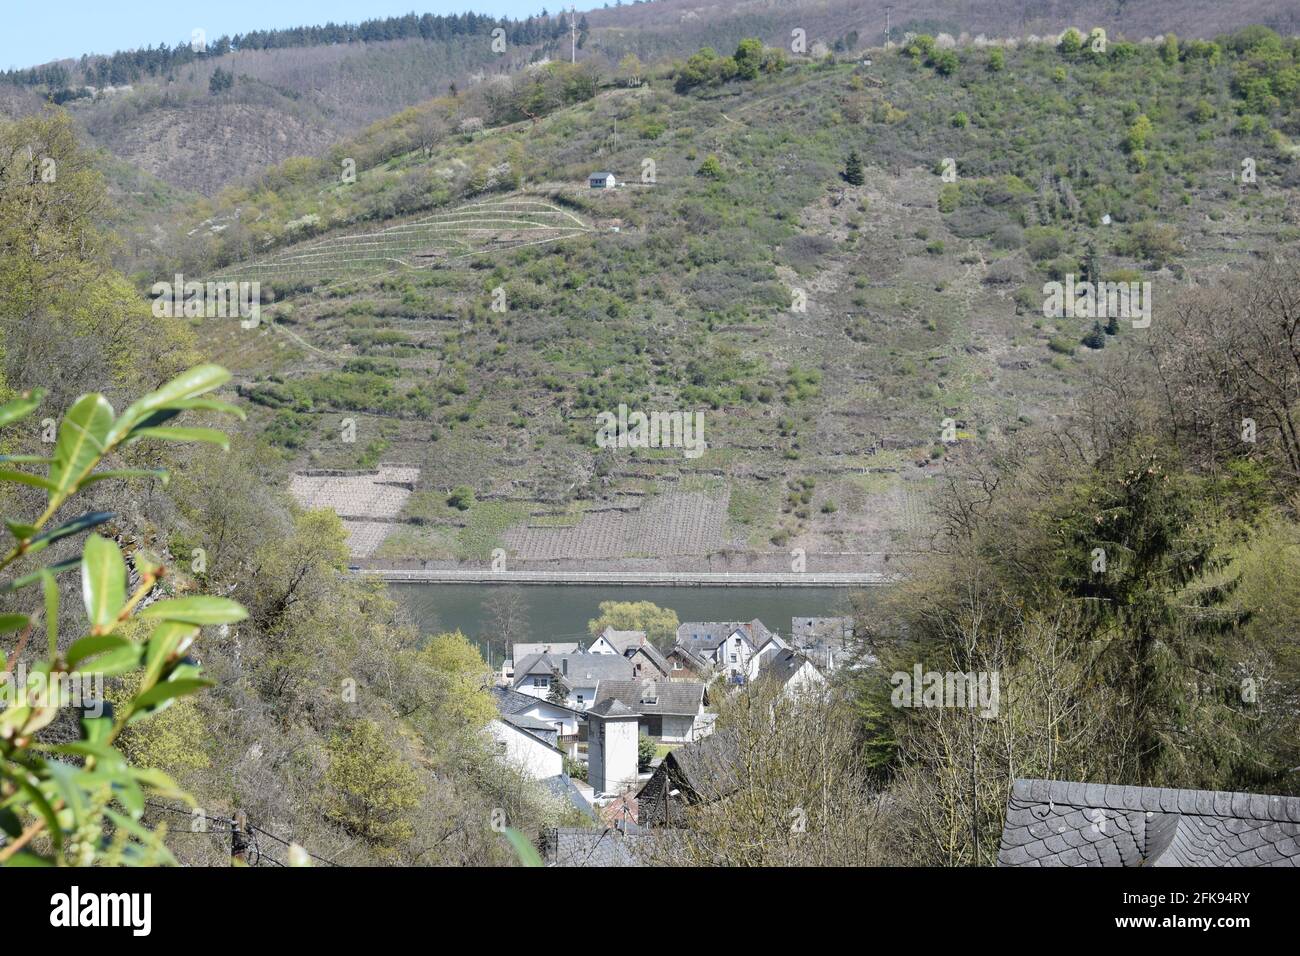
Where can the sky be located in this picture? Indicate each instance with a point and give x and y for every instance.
(38, 32)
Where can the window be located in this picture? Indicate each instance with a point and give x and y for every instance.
(541, 682)
(733, 658)
(579, 700)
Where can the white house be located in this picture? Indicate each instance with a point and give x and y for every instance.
(726, 646)
(795, 673)
(602, 180)
(764, 655)
(520, 742)
(577, 675)
(610, 641)
(645, 657)
(563, 720)
(520, 651)
(670, 711)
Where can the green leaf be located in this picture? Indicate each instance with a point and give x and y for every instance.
(210, 435)
(82, 441)
(20, 407)
(162, 784)
(51, 589)
(13, 622)
(200, 610)
(527, 853)
(27, 858)
(167, 639)
(103, 580)
(91, 519)
(105, 755)
(93, 646)
(96, 730)
(187, 385)
(39, 802)
(21, 531)
(118, 661)
(22, 478)
(67, 564)
(26, 460)
(168, 691)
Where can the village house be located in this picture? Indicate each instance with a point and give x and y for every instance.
(726, 646)
(610, 641)
(520, 651)
(826, 641)
(633, 645)
(670, 711)
(528, 744)
(789, 668)
(576, 674)
(602, 180)
(563, 719)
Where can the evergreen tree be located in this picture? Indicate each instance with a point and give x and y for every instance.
(853, 169)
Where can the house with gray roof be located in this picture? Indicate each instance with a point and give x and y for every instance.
(576, 674)
(790, 669)
(1060, 823)
(562, 719)
(671, 711)
(610, 641)
(726, 646)
(646, 659)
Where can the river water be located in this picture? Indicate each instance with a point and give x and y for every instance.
(560, 612)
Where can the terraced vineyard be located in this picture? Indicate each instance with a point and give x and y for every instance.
(468, 230)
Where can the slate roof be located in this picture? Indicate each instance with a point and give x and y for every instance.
(612, 707)
(671, 697)
(782, 665)
(535, 724)
(513, 702)
(576, 846)
(659, 661)
(706, 635)
(520, 651)
(623, 641)
(584, 669)
(689, 657)
(1059, 823)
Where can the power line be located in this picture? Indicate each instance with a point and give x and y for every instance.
(231, 826)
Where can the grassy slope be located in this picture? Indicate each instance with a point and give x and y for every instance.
(911, 317)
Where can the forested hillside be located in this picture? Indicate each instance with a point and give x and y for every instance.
(827, 329)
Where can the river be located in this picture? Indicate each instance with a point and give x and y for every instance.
(560, 612)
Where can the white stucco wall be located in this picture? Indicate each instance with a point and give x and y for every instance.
(528, 753)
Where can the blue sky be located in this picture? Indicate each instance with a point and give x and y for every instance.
(37, 32)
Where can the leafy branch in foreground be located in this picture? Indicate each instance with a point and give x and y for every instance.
(82, 802)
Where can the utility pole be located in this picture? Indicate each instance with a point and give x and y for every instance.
(239, 838)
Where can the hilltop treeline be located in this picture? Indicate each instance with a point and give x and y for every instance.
(130, 66)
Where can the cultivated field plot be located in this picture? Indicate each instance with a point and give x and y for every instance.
(368, 502)
(687, 523)
(468, 230)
